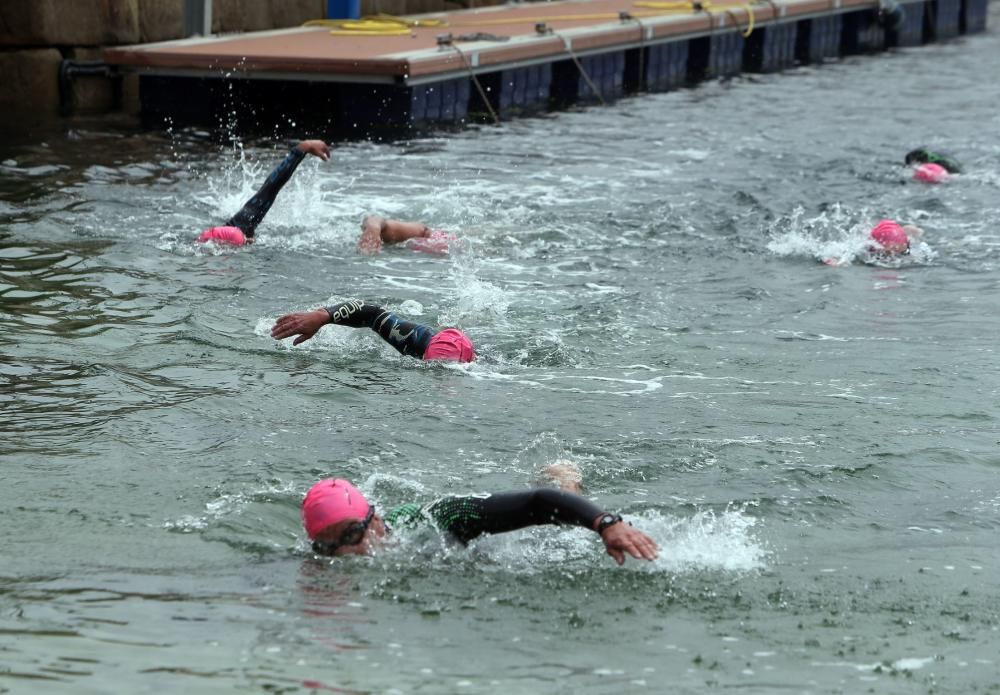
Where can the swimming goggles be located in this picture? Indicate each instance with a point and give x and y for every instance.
(352, 535)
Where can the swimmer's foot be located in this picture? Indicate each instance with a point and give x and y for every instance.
(370, 242)
(564, 474)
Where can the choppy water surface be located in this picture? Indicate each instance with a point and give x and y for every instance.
(815, 448)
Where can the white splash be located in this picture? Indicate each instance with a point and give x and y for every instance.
(705, 541)
(837, 237)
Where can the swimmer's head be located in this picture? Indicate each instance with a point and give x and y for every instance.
(450, 345)
(917, 156)
(923, 155)
(891, 238)
(330, 502)
(930, 173)
(223, 235)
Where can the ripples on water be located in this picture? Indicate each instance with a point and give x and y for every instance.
(813, 447)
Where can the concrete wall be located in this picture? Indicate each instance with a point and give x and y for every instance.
(38, 23)
(36, 35)
(29, 91)
(257, 15)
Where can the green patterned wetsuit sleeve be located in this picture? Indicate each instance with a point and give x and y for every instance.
(406, 516)
(471, 516)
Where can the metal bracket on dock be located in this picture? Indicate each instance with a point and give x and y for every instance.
(69, 69)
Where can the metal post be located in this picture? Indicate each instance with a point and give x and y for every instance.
(197, 17)
(343, 9)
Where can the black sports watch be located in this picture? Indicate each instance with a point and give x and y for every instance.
(607, 520)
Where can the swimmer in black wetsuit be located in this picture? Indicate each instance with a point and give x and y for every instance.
(924, 155)
(408, 337)
(241, 227)
(340, 521)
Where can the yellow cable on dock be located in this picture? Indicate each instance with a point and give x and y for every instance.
(746, 34)
(750, 20)
(390, 25)
(375, 25)
(706, 7)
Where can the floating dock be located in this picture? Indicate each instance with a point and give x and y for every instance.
(402, 75)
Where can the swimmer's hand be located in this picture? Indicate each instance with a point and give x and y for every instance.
(316, 148)
(621, 538)
(369, 244)
(370, 241)
(303, 324)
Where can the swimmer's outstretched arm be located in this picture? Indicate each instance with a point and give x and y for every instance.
(407, 337)
(376, 231)
(253, 211)
(471, 516)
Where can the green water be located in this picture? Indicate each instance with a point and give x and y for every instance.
(814, 448)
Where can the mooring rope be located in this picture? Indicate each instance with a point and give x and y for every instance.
(544, 29)
(447, 41)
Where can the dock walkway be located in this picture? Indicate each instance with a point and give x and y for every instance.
(500, 62)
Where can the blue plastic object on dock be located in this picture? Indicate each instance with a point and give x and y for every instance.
(343, 9)
(944, 18)
(819, 38)
(909, 30)
(521, 90)
(717, 55)
(572, 79)
(771, 48)
(439, 102)
(666, 66)
(974, 16)
(862, 33)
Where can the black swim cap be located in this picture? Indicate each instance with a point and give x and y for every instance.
(923, 155)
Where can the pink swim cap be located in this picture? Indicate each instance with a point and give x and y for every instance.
(223, 235)
(450, 345)
(931, 173)
(330, 501)
(890, 236)
(437, 243)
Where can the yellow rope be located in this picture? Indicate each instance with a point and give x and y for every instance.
(749, 29)
(374, 25)
(371, 30)
(707, 7)
(390, 25)
(746, 34)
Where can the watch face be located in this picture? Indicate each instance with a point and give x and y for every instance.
(608, 520)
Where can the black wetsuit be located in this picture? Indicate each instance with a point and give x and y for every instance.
(923, 155)
(408, 337)
(253, 211)
(469, 516)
